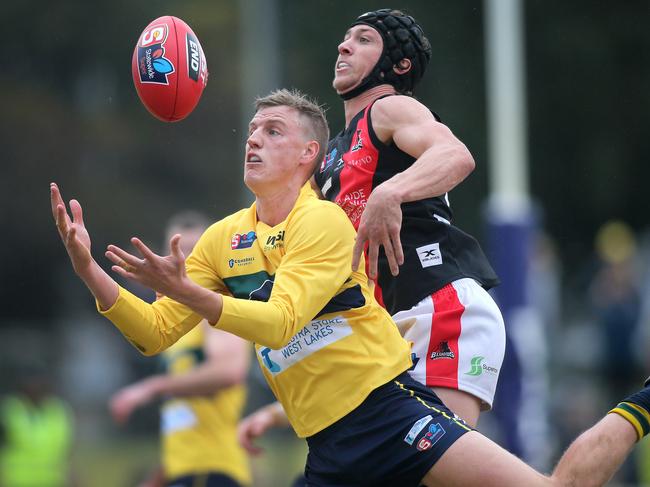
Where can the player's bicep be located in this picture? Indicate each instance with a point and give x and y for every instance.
(419, 136)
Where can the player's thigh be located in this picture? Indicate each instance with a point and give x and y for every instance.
(465, 405)
(476, 460)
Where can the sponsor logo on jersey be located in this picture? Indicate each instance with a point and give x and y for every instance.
(314, 336)
(359, 142)
(430, 255)
(478, 368)
(416, 428)
(153, 66)
(242, 240)
(240, 262)
(328, 160)
(274, 241)
(443, 351)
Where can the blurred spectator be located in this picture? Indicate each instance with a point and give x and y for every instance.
(36, 432)
(616, 302)
(203, 397)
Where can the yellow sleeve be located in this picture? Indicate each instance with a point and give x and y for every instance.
(152, 328)
(316, 264)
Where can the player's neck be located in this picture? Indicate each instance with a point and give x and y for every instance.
(358, 103)
(274, 207)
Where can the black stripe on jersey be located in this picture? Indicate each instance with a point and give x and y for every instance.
(350, 298)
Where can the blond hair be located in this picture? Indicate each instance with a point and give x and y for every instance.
(308, 108)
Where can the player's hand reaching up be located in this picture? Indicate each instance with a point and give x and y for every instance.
(72, 231)
(164, 274)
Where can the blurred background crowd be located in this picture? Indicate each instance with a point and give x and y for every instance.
(70, 114)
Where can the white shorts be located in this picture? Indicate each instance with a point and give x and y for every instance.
(458, 339)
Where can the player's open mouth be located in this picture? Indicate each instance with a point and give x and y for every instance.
(253, 158)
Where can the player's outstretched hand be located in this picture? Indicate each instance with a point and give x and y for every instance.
(164, 274)
(128, 399)
(380, 226)
(72, 230)
(257, 423)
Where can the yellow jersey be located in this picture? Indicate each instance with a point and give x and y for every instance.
(321, 339)
(199, 433)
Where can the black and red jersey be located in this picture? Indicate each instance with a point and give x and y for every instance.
(435, 251)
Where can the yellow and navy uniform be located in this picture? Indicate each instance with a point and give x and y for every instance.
(199, 433)
(322, 340)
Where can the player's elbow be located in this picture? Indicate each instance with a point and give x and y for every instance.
(466, 163)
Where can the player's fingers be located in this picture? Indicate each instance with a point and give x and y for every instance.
(390, 256)
(55, 199)
(61, 220)
(77, 212)
(146, 252)
(397, 248)
(120, 271)
(175, 246)
(373, 253)
(357, 251)
(120, 257)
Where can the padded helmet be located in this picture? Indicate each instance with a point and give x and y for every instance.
(403, 38)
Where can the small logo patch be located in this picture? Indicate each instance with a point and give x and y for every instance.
(416, 428)
(430, 255)
(477, 367)
(443, 351)
(431, 437)
(242, 240)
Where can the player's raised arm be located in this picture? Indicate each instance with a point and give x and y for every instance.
(76, 239)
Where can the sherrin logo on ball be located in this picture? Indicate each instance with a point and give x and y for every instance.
(169, 69)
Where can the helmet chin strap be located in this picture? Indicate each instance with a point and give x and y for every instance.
(367, 83)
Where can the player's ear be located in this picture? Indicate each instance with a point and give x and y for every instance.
(404, 66)
(310, 151)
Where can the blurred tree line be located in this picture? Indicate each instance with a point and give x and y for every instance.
(70, 114)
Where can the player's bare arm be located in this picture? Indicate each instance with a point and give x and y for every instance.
(442, 162)
(76, 239)
(259, 422)
(227, 363)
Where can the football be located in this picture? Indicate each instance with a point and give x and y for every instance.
(169, 69)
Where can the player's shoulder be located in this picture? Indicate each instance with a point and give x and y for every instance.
(399, 109)
(315, 211)
(233, 222)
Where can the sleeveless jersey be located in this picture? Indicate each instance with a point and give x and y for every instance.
(435, 251)
(199, 433)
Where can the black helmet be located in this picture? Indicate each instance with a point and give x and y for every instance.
(403, 38)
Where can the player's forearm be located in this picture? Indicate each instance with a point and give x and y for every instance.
(202, 301)
(101, 285)
(437, 171)
(205, 379)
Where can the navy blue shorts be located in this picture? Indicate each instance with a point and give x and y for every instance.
(204, 480)
(393, 438)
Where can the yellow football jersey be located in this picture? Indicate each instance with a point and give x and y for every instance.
(322, 340)
(199, 433)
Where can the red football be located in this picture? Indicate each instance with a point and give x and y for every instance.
(169, 69)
